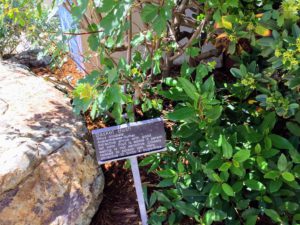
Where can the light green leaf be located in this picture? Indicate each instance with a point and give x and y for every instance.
(227, 189)
(241, 156)
(226, 148)
(288, 176)
(168, 173)
(282, 163)
(214, 216)
(273, 175)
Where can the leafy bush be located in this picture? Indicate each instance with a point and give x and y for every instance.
(24, 21)
(233, 152)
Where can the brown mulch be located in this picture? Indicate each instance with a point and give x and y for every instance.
(68, 72)
(119, 205)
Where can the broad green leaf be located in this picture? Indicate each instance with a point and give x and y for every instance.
(189, 89)
(171, 219)
(273, 215)
(148, 160)
(268, 122)
(182, 114)
(294, 82)
(233, 3)
(282, 163)
(214, 113)
(106, 6)
(236, 72)
(275, 185)
(266, 42)
(225, 166)
(186, 209)
(290, 206)
(296, 30)
(255, 185)
(214, 216)
(215, 190)
(280, 142)
(288, 176)
(162, 197)
(241, 156)
(273, 175)
(149, 12)
(152, 200)
(227, 189)
(226, 148)
(294, 128)
(168, 173)
(251, 220)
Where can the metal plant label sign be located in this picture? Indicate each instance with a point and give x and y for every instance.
(127, 140)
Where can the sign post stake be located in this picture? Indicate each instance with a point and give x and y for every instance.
(139, 189)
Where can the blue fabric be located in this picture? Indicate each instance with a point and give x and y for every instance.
(74, 43)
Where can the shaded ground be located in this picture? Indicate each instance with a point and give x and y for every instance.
(119, 206)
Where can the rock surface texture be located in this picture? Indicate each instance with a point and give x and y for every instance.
(48, 173)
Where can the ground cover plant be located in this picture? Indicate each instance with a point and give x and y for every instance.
(233, 130)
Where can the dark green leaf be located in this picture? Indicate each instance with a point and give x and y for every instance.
(273, 215)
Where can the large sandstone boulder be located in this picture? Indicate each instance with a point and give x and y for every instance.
(48, 173)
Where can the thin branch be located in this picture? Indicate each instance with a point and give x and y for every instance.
(195, 35)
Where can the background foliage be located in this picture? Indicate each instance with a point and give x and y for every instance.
(233, 148)
(26, 23)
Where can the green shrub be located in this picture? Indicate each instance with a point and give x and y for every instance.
(26, 22)
(233, 154)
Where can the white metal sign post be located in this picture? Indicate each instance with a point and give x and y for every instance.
(139, 189)
(129, 141)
